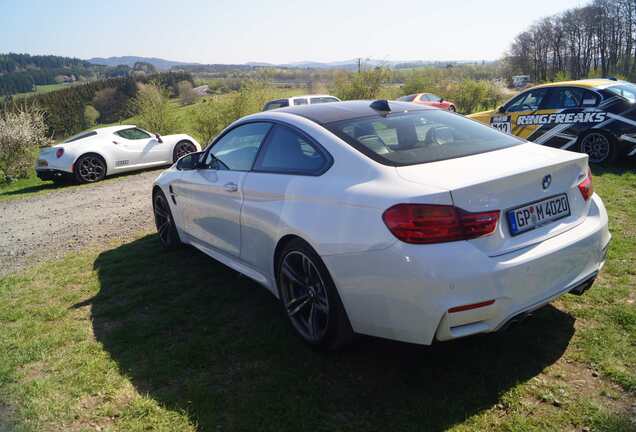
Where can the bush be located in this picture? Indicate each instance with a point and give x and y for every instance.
(152, 108)
(111, 104)
(468, 94)
(213, 115)
(91, 115)
(187, 95)
(366, 84)
(22, 132)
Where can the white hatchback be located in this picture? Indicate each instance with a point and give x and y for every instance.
(388, 219)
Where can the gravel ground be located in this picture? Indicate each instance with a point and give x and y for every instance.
(50, 225)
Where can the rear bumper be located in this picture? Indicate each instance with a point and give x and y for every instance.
(405, 292)
(51, 174)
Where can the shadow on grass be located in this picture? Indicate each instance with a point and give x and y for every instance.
(197, 337)
(49, 185)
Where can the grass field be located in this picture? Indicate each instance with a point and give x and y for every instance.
(131, 338)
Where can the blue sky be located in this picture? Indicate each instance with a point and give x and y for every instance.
(271, 31)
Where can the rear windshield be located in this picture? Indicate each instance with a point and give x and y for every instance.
(628, 91)
(420, 137)
(80, 136)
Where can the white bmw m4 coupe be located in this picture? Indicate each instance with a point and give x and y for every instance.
(92, 155)
(388, 219)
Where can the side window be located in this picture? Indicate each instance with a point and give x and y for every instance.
(408, 98)
(133, 134)
(563, 97)
(289, 152)
(276, 104)
(237, 149)
(425, 98)
(590, 98)
(434, 98)
(300, 101)
(528, 101)
(322, 99)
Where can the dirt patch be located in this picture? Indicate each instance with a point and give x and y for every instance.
(48, 226)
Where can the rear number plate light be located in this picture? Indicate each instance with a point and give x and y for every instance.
(539, 213)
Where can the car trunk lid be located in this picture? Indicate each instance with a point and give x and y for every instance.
(507, 179)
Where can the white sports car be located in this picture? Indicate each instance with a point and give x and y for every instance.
(92, 155)
(388, 219)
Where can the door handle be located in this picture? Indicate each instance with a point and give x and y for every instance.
(231, 187)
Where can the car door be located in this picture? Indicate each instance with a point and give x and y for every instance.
(212, 195)
(281, 188)
(518, 116)
(132, 147)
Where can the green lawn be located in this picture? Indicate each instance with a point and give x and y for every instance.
(129, 337)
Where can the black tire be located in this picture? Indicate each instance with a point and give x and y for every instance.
(452, 108)
(599, 146)
(309, 298)
(166, 228)
(89, 168)
(181, 149)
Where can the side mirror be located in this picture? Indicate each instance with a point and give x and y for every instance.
(501, 109)
(189, 161)
(159, 140)
(441, 99)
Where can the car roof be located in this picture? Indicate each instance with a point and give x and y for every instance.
(336, 111)
(596, 83)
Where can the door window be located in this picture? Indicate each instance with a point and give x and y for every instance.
(133, 134)
(528, 101)
(289, 152)
(237, 149)
(300, 101)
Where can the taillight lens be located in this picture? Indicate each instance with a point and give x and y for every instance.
(59, 152)
(430, 223)
(586, 187)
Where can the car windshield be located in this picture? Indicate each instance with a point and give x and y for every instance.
(419, 137)
(627, 90)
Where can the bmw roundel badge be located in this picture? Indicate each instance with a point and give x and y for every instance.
(547, 181)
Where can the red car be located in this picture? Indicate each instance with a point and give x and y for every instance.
(429, 99)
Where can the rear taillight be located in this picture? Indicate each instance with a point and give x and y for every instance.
(430, 223)
(586, 187)
(59, 153)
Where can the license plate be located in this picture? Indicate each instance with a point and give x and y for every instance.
(534, 215)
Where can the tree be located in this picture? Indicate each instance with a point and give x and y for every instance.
(152, 108)
(187, 95)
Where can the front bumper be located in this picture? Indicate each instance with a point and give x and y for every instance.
(405, 292)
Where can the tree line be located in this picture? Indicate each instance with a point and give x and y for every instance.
(72, 109)
(596, 40)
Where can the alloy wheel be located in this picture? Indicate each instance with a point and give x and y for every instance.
(163, 219)
(597, 146)
(304, 295)
(91, 169)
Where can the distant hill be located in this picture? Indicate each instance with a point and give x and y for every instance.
(352, 64)
(160, 64)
